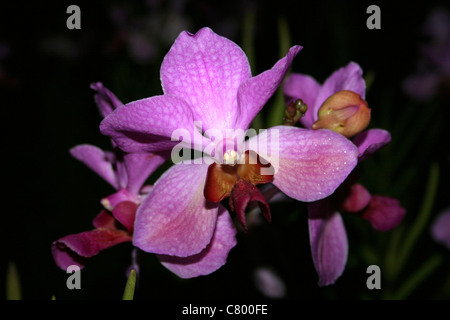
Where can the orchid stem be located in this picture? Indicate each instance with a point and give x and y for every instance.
(248, 35)
(130, 286)
(277, 110)
(418, 277)
(421, 220)
(13, 289)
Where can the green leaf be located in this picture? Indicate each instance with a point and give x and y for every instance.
(422, 218)
(248, 35)
(130, 286)
(13, 290)
(426, 269)
(276, 111)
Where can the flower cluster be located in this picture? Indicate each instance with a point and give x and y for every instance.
(339, 105)
(208, 103)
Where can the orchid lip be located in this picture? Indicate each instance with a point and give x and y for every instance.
(238, 182)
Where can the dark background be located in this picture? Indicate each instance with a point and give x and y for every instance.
(47, 107)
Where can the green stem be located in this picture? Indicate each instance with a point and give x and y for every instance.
(422, 218)
(13, 289)
(128, 294)
(248, 34)
(277, 110)
(391, 253)
(418, 277)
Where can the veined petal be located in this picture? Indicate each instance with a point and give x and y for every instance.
(209, 259)
(147, 125)
(346, 78)
(309, 164)
(256, 91)
(305, 87)
(75, 248)
(97, 160)
(329, 243)
(370, 141)
(175, 218)
(106, 101)
(206, 70)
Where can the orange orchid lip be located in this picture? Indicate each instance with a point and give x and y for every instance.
(221, 178)
(238, 182)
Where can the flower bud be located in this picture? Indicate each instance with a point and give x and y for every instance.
(384, 213)
(294, 111)
(343, 112)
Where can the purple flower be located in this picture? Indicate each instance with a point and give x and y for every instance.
(329, 244)
(440, 228)
(123, 171)
(210, 94)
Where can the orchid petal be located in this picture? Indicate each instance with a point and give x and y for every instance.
(384, 213)
(125, 213)
(104, 220)
(309, 164)
(139, 167)
(147, 125)
(355, 197)
(106, 101)
(440, 228)
(329, 243)
(370, 141)
(97, 160)
(256, 91)
(74, 249)
(206, 70)
(305, 87)
(346, 78)
(175, 218)
(112, 200)
(209, 259)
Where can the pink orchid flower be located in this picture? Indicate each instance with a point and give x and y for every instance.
(208, 91)
(329, 244)
(126, 173)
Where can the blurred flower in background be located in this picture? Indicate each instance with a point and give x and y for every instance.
(433, 67)
(145, 33)
(440, 229)
(269, 283)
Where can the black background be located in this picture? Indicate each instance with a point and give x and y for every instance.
(47, 107)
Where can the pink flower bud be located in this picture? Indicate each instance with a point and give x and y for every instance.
(384, 213)
(343, 112)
